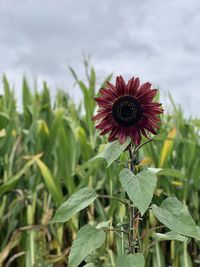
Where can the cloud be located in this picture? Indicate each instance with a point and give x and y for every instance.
(157, 40)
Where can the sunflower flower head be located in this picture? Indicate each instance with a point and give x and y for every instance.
(127, 110)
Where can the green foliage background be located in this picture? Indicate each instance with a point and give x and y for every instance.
(48, 151)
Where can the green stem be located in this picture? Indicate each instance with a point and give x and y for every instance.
(137, 148)
(185, 254)
(117, 232)
(158, 259)
(110, 252)
(122, 241)
(185, 193)
(131, 209)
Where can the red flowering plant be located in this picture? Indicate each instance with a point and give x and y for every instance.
(127, 110)
(127, 113)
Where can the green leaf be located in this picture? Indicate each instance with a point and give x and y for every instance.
(114, 150)
(90, 265)
(88, 239)
(155, 170)
(168, 172)
(74, 204)
(175, 215)
(135, 260)
(198, 230)
(66, 164)
(30, 248)
(103, 225)
(92, 82)
(170, 236)
(50, 182)
(139, 187)
(73, 73)
(55, 128)
(4, 120)
(172, 172)
(27, 103)
(158, 257)
(11, 183)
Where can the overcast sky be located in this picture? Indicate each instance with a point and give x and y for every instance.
(157, 40)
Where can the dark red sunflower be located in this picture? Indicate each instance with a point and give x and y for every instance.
(127, 110)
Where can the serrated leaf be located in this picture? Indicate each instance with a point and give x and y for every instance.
(88, 239)
(114, 150)
(170, 236)
(139, 187)
(135, 260)
(175, 215)
(74, 204)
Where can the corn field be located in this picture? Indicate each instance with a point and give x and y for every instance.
(48, 151)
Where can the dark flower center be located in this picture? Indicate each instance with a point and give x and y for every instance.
(126, 110)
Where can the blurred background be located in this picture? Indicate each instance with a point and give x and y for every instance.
(155, 40)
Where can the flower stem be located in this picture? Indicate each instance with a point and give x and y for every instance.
(185, 254)
(117, 232)
(158, 254)
(137, 148)
(131, 208)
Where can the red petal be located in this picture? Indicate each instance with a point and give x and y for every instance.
(129, 85)
(153, 118)
(105, 123)
(122, 135)
(133, 86)
(108, 93)
(110, 128)
(148, 96)
(150, 129)
(103, 102)
(136, 135)
(144, 132)
(113, 134)
(149, 122)
(101, 113)
(111, 87)
(120, 86)
(152, 108)
(143, 89)
(152, 104)
(141, 124)
(105, 131)
(97, 117)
